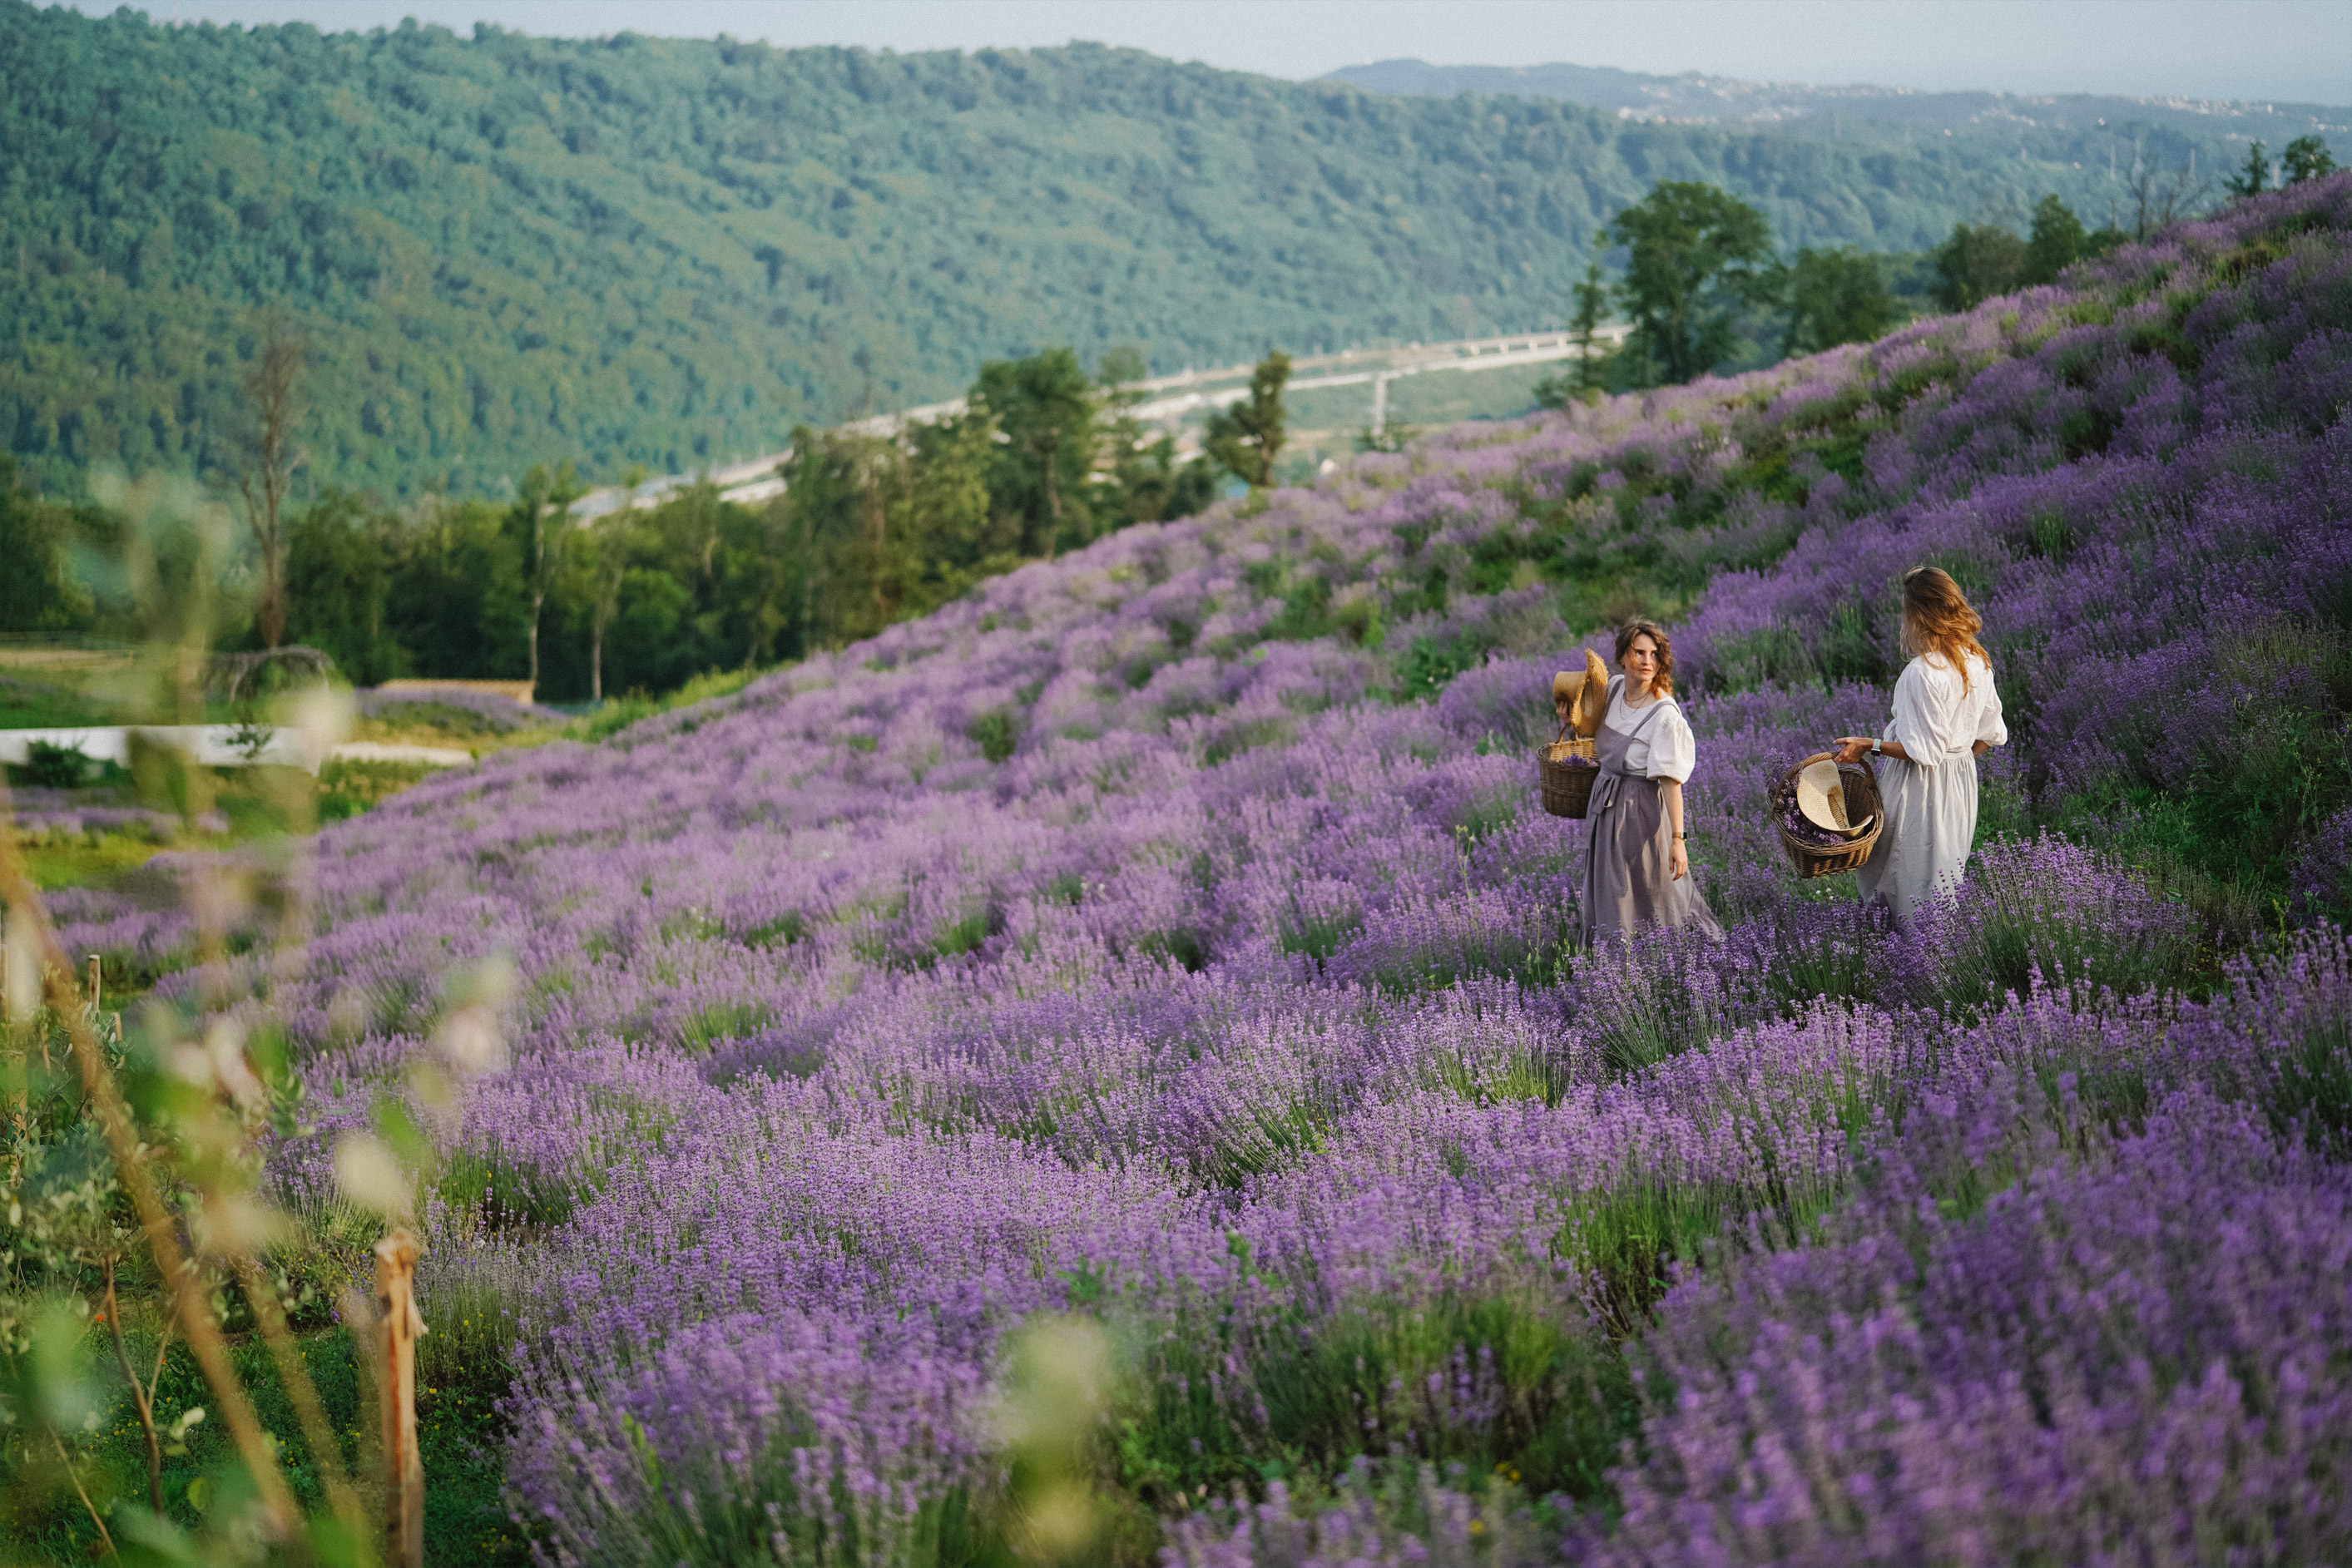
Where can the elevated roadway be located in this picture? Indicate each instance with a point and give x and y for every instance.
(1166, 400)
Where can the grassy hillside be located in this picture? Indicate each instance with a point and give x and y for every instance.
(508, 250)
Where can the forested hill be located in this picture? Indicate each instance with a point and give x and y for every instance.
(506, 250)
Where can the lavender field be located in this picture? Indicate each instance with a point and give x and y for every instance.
(1101, 1073)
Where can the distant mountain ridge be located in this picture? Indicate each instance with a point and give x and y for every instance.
(1696, 99)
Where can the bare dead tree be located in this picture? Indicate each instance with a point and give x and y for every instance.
(272, 386)
(2159, 198)
(545, 499)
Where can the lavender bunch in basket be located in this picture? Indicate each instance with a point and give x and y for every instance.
(1802, 828)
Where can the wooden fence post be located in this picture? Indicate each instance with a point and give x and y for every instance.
(398, 1324)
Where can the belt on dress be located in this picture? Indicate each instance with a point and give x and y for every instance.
(1604, 788)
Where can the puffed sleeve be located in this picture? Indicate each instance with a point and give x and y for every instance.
(1672, 751)
(1924, 722)
(1991, 728)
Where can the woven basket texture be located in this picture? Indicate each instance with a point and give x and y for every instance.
(1567, 789)
(1811, 860)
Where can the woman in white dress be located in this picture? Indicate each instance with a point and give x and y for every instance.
(1946, 713)
(1636, 871)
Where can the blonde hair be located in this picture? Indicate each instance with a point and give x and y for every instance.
(1664, 684)
(1938, 619)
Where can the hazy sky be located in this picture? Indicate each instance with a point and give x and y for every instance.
(2296, 49)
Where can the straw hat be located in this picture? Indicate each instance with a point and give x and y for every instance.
(1584, 691)
(1568, 693)
(1821, 796)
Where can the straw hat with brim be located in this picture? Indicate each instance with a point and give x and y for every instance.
(1584, 691)
(1821, 797)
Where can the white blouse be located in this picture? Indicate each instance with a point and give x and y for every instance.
(1664, 748)
(1935, 720)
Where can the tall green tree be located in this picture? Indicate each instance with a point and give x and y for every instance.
(1146, 484)
(1977, 262)
(1835, 296)
(542, 520)
(2252, 175)
(1045, 405)
(950, 517)
(272, 384)
(1246, 438)
(2307, 158)
(2058, 240)
(1592, 355)
(840, 487)
(40, 592)
(1698, 257)
(341, 563)
(458, 604)
(1590, 374)
(597, 566)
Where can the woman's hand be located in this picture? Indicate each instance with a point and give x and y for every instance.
(1851, 748)
(1670, 795)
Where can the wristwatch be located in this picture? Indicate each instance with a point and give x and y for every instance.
(1877, 748)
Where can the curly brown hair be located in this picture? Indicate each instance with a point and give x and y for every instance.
(1664, 684)
(1938, 619)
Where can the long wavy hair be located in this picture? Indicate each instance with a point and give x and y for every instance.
(1664, 685)
(1939, 619)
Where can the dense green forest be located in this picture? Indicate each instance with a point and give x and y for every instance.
(505, 251)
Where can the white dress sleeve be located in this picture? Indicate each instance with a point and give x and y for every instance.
(1991, 728)
(1673, 752)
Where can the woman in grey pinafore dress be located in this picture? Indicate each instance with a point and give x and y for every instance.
(1636, 873)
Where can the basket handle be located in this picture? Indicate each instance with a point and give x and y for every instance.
(1867, 766)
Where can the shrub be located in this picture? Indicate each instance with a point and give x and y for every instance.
(472, 1293)
(2044, 912)
(48, 765)
(1378, 1514)
(2068, 1364)
(792, 1439)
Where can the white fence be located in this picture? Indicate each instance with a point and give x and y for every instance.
(211, 744)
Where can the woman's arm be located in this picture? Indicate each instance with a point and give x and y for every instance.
(1925, 698)
(1670, 791)
(1849, 748)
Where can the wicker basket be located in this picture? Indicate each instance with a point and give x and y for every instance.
(1862, 803)
(1567, 789)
